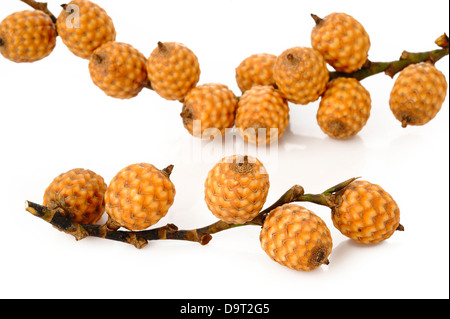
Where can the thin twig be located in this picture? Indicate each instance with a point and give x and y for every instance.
(40, 6)
(139, 239)
(392, 68)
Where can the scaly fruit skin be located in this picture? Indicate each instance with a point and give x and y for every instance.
(344, 108)
(236, 189)
(418, 94)
(208, 110)
(262, 107)
(139, 196)
(257, 69)
(80, 193)
(27, 36)
(296, 238)
(301, 74)
(366, 213)
(173, 70)
(118, 69)
(83, 26)
(343, 41)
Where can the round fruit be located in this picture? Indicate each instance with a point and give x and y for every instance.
(296, 238)
(208, 110)
(262, 115)
(418, 94)
(118, 69)
(84, 26)
(257, 69)
(173, 70)
(139, 196)
(343, 41)
(236, 189)
(366, 213)
(80, 193)
(344, 108)
(301, 74)
(27, 36)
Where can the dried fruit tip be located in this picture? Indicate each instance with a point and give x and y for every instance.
(316, 18)
(442, 41)
(319, 257)
(167, 171)
(162, 47)
(98, 59)
(242, 166)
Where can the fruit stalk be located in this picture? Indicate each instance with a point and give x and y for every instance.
(393, 67)
(140, 238)
(40, 6)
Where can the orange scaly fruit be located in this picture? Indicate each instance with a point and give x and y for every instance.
(139, 196)
(84, 26)
(301, 74)
(208, 110)
(343, 41)
(173, 70)
(344, 108)
(366, 213)
(80, 192)
(418, 94)
(27, 36)
(236, 189)
(295, 237)
(256, 69)
(118, 69)
(260, 110)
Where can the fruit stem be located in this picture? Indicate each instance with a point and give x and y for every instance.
(40, 6)
(392, 68)
(139, 239)
(328, 197)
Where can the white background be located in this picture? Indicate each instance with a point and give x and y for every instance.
(53, 119)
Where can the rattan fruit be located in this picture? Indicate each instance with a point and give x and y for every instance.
(119, 70)
(344, 108)
(256, 69)
(366, 213)
(80, 194)
(139, 196)
(84, 26)
(208, 110)
(343, 41)
(27, 36)
(301, 74)
(173, 70)
(418, 94)
(236, 189)
(262, 115)
(297, 238)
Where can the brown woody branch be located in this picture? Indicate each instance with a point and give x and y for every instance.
(40, 6)
(140, 239)
(203, 235)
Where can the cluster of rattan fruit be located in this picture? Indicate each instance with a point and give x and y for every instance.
(268, 82)
(235, 192)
